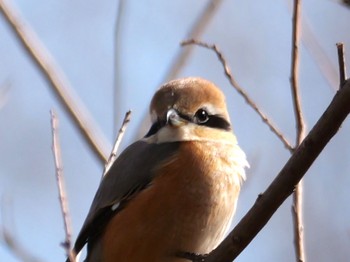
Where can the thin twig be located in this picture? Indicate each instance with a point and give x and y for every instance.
(58, 81)
(342, 66)
(300, 125)
(240, 90)
(290, 175)
(117, 63)
(297, 211)
(113, 155)
(67, 244)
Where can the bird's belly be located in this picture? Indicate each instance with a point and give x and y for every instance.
(187, 208)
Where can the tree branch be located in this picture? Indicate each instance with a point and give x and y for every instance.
(57, 80)
(285, 182)
(240, 90)
(67, 244)
(297, 211)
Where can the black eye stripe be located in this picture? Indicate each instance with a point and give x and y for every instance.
(217, 121)
(214, 121)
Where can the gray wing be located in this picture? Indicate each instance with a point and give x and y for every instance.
(132, 171)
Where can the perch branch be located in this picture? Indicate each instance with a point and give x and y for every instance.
(240, 90)
(57, 80)
(67, 244)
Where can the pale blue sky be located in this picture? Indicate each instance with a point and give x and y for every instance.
(255, 37)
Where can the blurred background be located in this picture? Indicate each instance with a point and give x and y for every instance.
(255, 37)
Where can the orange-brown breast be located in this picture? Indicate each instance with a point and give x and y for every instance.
(186, 208)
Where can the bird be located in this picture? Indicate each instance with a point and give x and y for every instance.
(173, 192)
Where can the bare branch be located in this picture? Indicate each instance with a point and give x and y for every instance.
(240, 90)
(113, 155)
(67, 244)
(284, 184)
(297, 210)
(342, 66)
(57, 80)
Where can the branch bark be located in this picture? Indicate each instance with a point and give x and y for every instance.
(284, 184)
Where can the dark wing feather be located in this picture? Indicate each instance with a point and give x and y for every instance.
(130, 173)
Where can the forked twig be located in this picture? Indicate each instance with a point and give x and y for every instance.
(61, 191)
(240, 90)
(59, 83)
(113, 155)
(297, 211)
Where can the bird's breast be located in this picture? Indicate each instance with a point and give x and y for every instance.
(187, 207)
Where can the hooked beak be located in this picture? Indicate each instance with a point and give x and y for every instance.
(174, 119)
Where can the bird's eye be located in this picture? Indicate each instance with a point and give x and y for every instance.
(201, 116)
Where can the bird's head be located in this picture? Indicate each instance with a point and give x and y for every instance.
(188, 109)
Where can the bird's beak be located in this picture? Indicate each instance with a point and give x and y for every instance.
(174, 119)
